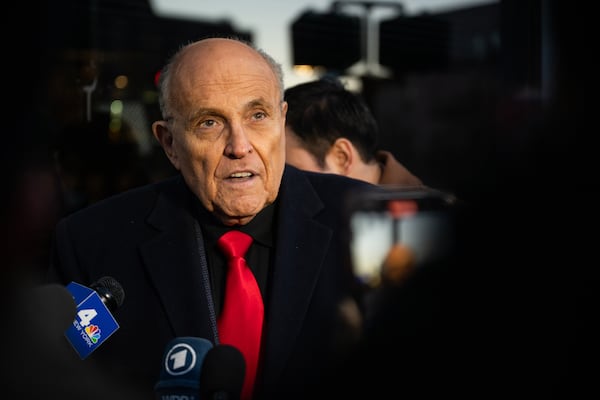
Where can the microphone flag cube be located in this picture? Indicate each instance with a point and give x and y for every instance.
(93, 323)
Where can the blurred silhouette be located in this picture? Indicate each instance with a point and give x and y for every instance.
(38, 360)
(514, 309)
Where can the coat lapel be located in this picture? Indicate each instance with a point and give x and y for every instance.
(176, 263)
(302, 247)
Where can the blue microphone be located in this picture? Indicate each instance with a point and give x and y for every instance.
(93, 322)
(180, 373)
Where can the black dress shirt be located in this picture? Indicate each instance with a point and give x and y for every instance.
(259, 256)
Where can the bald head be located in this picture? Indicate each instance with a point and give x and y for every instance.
(215, 57)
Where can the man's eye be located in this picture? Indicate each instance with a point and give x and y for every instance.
(259, 115)
(209, 123)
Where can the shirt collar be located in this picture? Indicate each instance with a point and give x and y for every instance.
(260, 227)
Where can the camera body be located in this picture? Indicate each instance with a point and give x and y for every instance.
(393, 230)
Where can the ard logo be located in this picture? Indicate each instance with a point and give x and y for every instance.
(180, 359)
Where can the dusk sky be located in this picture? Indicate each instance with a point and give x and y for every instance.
(269, 21)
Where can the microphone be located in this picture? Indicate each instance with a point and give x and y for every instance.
(180, 373)
(110, 291)
(94, 322)
(222, 375)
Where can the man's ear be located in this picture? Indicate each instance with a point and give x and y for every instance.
(163, 135)
(341, 156)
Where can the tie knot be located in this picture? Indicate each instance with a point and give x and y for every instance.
(235, 243)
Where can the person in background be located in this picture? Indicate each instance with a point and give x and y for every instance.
(331, 129)
(223, 129)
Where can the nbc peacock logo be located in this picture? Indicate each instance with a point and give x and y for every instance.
(93, 333)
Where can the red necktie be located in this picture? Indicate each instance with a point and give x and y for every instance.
(241, 320)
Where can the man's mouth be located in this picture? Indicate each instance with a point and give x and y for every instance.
(241, 175)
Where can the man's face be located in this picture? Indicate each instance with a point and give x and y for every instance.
(227, 134)
(297, 155)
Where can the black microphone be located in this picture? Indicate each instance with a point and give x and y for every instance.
(222, 374)
(94, 323)
(110, 291)
(180, 373)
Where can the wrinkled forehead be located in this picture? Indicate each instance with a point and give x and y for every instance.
(227, 66)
